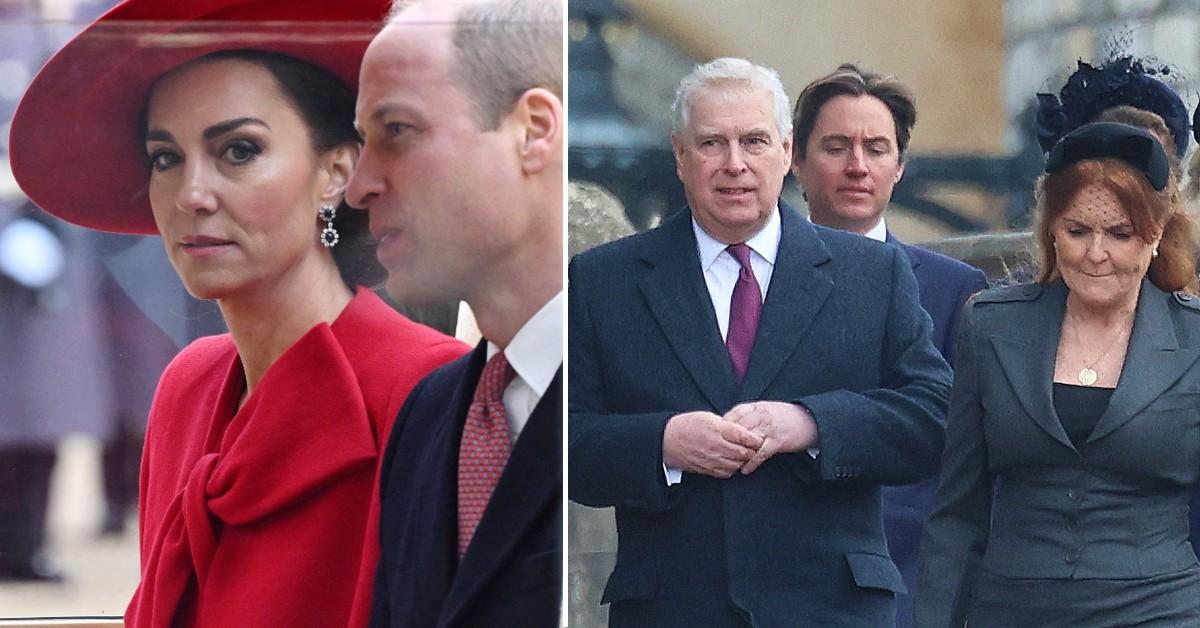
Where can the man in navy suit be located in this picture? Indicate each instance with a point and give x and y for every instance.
(850, 131)
(742, 383)
(460, 109)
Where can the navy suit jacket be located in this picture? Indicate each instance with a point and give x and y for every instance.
(511, 574)
(799, 540)
(944, 284)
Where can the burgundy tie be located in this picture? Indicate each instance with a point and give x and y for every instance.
(744, 308)
(484, 447)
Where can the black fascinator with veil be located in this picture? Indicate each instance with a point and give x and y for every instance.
(1124, 80)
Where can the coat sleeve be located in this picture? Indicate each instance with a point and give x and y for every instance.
(613, 459)
(892, 434)
(956, 535)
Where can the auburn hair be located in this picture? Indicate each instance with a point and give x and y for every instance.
(1150, 212)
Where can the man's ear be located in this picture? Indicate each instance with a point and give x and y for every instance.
(539, 116)
(797, 166)
(338, 164)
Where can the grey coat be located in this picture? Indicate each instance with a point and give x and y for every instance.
(1114, 508)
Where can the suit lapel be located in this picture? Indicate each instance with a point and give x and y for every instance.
(798, 291)
(1153, 362)
(913, 258)
(1026, 354)
(677, 296)
(529, 490)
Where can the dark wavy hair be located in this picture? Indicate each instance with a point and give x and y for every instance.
(326, 105)
(1149, 211)
(851, 80)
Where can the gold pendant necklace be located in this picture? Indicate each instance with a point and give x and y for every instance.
(1088, 375)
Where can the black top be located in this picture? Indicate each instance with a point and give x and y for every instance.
(1078, 409)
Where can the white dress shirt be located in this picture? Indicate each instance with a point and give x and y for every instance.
(535, 353)
(879, 231)
(721, 269)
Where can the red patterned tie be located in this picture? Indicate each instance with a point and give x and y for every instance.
(744, 309)
(484, 447)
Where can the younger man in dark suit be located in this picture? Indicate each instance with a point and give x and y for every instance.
(741, 384)
(851, 132)
(460, 109)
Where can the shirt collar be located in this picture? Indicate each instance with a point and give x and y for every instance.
(765, 242)
(536, 351)
(879, 231)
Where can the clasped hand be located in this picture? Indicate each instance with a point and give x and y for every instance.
(747, 436)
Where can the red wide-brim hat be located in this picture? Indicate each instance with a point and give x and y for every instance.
(76, 144)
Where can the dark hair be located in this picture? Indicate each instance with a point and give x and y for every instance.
(1148, 210)
(851, 80)
(326, 106)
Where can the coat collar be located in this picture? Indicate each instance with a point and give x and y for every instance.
(1154, 360)
(799, 287)
(1026, 350)
(675, 292)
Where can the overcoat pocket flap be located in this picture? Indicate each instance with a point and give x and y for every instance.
(628, 582)
(872, 571)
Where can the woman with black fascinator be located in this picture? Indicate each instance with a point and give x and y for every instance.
(1073, 434)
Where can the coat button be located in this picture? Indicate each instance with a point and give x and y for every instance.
(1069, 559)
(1070, 494)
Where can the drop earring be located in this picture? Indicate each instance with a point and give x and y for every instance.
(329, 235)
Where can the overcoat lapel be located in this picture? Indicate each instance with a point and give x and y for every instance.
(677, 296)
(1153, 362)
(1026, 353)
(529, 489)
(799, 288)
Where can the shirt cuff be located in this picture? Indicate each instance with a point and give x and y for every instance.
(674, 476)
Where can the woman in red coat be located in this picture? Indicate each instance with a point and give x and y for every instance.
(226, 127)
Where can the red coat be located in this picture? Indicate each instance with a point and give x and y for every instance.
(268, 515)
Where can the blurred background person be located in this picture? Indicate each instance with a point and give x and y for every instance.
(50, 340)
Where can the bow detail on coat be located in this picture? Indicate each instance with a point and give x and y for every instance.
(302, 428)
